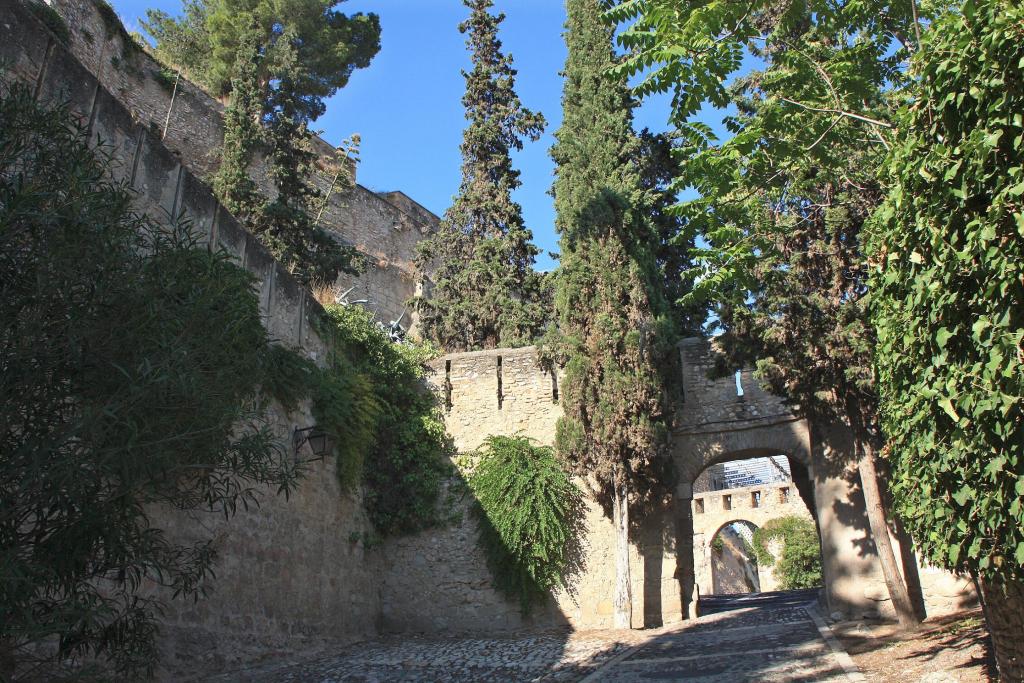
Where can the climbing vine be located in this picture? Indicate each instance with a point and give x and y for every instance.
(799, 563)
(385, 424)
(530, 516)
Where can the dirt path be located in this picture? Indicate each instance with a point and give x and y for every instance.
(953, 649)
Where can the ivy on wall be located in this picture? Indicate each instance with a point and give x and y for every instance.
(385, 425)
(530, 517)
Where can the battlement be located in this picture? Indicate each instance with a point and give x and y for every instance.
(501, 391)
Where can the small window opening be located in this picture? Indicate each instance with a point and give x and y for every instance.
(784, 495)
(739, 383)
(448, 385)
(755, 499)
(727, 502)
(554, 387)
(501, 397)
(698, 506)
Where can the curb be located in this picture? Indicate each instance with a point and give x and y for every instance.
(841, 655)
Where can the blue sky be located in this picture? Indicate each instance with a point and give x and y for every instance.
(406, 104)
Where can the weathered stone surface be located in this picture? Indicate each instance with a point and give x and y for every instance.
(385, 226)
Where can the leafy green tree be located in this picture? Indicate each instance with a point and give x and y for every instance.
(133, 365)
(531, 518)
(182, 41)
(485, 291)
(612, 315)
(784, 201)
(329, 44)
(948, 303)
(271, 120)
(799, 563)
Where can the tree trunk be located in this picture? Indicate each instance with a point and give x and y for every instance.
(1004, 612)
(623, 602)
(880, 532)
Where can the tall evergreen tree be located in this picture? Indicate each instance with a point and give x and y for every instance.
(272, 118)
(612, 314)
(659, 168)
(486, 293)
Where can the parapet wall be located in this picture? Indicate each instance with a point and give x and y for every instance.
(438, 580)
(288, 576)
(385, 227)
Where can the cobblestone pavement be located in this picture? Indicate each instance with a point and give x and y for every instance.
(765, 638)
(547, 657)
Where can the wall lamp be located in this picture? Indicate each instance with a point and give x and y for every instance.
(317, 439)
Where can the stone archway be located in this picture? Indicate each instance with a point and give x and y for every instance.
(731, 564)
(735, 418)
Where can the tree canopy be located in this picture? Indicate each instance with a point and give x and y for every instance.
(485, 292)
(207, 38)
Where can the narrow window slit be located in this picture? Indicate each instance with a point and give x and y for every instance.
(448, 385)
(554, 387)
(501, 397)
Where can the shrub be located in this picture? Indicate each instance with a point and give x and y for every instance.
(530, 516)
(132, 362)
(373, 400)
(799, 564)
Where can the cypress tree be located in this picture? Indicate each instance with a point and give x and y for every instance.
(611, 310)
(486, 293)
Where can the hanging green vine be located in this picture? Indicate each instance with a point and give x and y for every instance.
(371, 400)
(530, 516)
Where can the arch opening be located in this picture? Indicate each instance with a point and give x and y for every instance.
(733, 563)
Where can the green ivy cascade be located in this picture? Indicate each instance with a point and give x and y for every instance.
(530, 516)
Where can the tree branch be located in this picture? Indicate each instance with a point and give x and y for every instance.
(841, 112)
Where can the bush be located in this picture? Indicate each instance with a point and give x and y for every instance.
(799, 565)
(132, 364)
(373, 400)
(530, 516)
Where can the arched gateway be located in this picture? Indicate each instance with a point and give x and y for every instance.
(726, 419)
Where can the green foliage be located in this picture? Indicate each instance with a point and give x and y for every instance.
(614, 327)
(782, 203)
(799, 565)
(659, 167)
(374, 402)
(328, 43)
(182, 41)
(531, 518)
(269, 118)
(948, 295)
(485, 292)
(133, 361)
(49, 16)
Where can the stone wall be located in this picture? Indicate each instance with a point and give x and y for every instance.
(386, 227)
(715, 509)
(288, 574)
(439, 579)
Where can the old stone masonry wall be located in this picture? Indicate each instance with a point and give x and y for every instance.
(288, 576)
(384, 226)
(438, 580)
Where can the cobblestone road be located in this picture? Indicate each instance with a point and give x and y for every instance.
(764, 638)
(768, 638)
